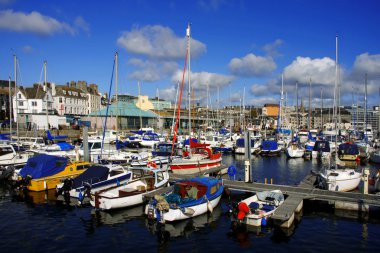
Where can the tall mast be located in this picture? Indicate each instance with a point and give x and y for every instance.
(138, 86)
(15, 71)
(282, 99)
(298, 120)
(207, 97)
(310, 105)
(242, 109)
(117, 99)
(365, 109)
(188, 76)
(10, 109)
(46, 96)
(335, 93)
(321, 109)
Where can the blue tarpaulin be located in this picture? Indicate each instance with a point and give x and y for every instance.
(43, 166)
(93, 174)
(348, 149)
(269, 145)
(323, 146)
(65, 146)
(240, 143)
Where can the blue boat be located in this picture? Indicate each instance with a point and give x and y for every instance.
(186, 199)
(270, 148)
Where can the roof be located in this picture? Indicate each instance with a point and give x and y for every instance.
(36, 92)
(125, 109)
(59, 92)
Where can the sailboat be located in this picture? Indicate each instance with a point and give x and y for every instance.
(199, 157)
(338, 178)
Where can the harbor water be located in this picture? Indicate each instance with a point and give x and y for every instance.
(36, 222)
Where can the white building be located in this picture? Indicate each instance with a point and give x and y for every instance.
(31, 100)
(69, 100)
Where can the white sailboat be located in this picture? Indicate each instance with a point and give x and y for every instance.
(338, 178)
(199, 157)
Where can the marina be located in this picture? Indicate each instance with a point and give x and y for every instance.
(84, 227)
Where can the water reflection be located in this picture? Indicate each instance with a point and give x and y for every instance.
(186, 227)
(117, 216)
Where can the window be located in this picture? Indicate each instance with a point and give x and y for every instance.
(34, 103)
(19, 95)
(20, 103)
(64, 92)
(60, 99)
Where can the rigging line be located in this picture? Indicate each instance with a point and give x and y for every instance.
(108, 105)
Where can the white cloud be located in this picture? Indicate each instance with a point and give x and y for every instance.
(33, 22)
(260, 90)
(271, 48)
(199, 80)
(260, 101)
(150, 71)
(252, 65)
(81, 24)
(157, 41)
(321, 71)
(369, 64)
(147, 71)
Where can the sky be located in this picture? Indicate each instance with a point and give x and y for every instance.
(239, 48)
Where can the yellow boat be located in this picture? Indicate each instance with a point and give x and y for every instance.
(44, 172)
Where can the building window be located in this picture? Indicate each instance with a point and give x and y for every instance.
(19, 95)
(20, 103)
(34, 103)
(60, 99)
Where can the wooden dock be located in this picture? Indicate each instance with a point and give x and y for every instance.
(295, 195)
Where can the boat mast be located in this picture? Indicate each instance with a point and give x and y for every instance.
(46, 95)
(298, 120)
(321, 109)
(10, 109)
(310, 105)
(282, 100)
(365, 109)
(117, 99)
(188, 77)
(207, 97)
(335, 95)
(138, 86)
(16, 116)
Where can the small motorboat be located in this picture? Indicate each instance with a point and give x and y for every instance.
(143, 181)
(257, 209)
(187, 198)
(95, 178)
(270, 148)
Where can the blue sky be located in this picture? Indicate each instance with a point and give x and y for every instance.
(239, 48)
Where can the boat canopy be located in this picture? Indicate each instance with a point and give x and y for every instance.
(92, 175)
(322, 145)
(65, 146)
(149, 136)
(275, 196)
(269, 145)
(43, 165)
(348, 149)
(240, 143)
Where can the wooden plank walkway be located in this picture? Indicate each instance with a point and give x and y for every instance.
(307, 193)
(285, 211)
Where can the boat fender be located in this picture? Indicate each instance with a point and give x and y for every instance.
(243, 210)
(231, 171)
(263, 221)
